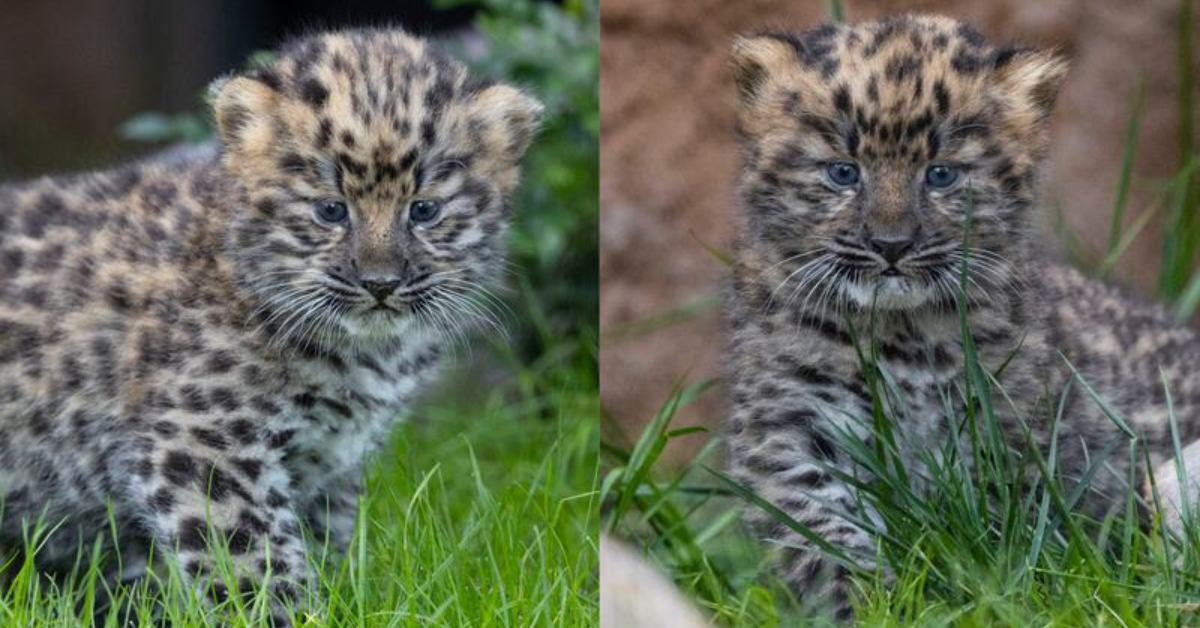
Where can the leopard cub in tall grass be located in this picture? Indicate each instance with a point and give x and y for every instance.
(865, 149)
(210, 345)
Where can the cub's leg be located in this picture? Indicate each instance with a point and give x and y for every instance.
(780, 450)
(332, 512)
(212, 477)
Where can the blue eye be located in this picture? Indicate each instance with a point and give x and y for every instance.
(940, 176)
(331, 212)
(424, 211)
(842, 174)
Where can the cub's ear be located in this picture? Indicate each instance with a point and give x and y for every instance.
(238, 103)
(758, 59)
(1030, 80)
(508, 117)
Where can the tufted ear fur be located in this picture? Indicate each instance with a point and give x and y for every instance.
(508, 117)
(238, 102)
(1029, 80)
(759, 59)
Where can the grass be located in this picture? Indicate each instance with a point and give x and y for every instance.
(481, 513)
(1000, 543)
(996, 543)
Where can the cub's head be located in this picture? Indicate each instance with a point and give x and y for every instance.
(376, 178)
(866, 147)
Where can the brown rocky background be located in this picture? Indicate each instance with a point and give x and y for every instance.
(668, 160)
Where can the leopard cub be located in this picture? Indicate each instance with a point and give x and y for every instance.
(210, 344)
(869, 153)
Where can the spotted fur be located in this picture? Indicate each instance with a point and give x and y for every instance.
(822, 267)
(185, 340)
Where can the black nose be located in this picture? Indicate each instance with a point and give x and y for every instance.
(381, 289)
(891, 249)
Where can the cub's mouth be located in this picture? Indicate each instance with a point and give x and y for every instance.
(891, 290)
(383, 308)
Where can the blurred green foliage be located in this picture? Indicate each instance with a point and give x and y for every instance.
(154, 126)
(551, 50)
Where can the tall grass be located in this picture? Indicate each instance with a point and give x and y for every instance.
(1182, 232)
(996, 541)
(479, 514)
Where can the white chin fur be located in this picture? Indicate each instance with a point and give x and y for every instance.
(375, 325)
(889, 293)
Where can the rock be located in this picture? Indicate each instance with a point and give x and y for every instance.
(1171, 493)
(633, 594)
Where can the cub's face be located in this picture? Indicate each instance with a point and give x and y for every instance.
(376, 178)
(868, 147)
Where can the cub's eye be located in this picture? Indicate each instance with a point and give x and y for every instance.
(331, 212)
(842, 174)
(424, 211)
(940, 177)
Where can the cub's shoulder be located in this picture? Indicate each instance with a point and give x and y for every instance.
(1080, 302)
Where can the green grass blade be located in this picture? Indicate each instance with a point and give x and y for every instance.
(1182, 230)
(1181, 471)
(724, 257)
(835, 12)
(650, 445)
(1110, 412)
(828, 549)
(1124, 177)
(664, 319)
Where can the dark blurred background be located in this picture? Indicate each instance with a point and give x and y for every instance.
(72, 72)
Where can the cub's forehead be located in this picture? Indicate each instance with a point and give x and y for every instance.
(376, 102)
(886, 87)
(366, 73)
(370, 114)
(888, 60)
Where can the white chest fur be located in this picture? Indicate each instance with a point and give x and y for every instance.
(345, 408)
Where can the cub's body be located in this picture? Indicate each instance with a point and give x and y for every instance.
(209, 345)
(879, 159)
